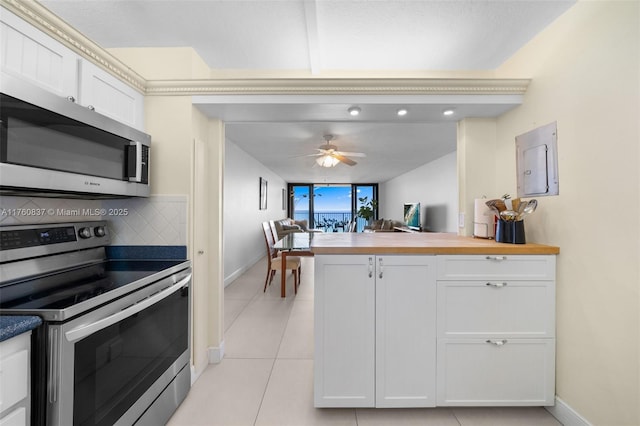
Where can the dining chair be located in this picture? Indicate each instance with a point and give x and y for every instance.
(274, 261)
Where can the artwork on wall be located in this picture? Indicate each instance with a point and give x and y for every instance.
(284, 199)
(263, 194)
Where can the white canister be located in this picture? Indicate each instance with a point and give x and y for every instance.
(483, 219)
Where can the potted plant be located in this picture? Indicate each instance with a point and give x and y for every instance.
(367, 209)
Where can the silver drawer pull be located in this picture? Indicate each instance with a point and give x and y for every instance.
(498, 342)
(496, 285)
(496, 257)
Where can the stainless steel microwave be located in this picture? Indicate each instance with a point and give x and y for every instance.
(51, 146)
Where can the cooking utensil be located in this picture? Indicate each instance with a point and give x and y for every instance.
(497, 203)
(526, 208)
(508, 215)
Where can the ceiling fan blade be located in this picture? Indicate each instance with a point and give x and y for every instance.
(343, 159)
(351, 154)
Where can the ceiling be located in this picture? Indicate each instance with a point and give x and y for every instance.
(317, 38)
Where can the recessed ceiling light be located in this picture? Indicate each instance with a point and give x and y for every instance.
(448, 112)
(402, 111)
(354, 111)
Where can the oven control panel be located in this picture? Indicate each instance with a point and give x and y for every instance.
(36, 237)
(24, 241)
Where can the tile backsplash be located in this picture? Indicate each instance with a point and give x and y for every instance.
(157, 220)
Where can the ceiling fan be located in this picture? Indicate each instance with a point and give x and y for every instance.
(329, 156)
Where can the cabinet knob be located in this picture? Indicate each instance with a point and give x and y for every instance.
(91, 107)
(71, 98)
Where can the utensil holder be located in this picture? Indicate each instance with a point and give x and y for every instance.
(511, 231)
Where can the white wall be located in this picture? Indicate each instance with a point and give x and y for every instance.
(434, 186)
(243, 238)
(585, 70)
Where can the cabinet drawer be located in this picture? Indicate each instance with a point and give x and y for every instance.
(496, 309)
(492, 267)
(14, 370)
(474, 372)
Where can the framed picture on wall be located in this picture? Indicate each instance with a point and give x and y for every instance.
(284, 199)
(263, 194)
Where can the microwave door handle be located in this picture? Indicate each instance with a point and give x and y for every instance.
(134, 161)
(88, 329)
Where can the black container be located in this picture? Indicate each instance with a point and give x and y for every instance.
(510, 231)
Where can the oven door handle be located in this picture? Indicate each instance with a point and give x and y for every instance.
(88, 329)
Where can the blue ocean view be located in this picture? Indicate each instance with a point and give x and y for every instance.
(330, 221)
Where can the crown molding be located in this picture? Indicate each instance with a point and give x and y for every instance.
(330, 86)
(44, 20)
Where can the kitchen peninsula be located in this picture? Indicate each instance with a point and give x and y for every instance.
(431, 319)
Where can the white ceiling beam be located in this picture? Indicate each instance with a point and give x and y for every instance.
(313, 40)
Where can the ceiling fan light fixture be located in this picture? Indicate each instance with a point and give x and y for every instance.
(327, 161)
(354, 111)
(402, 112)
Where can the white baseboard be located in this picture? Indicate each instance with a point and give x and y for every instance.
(567, 415)
(216, 354)
(235, 274)
(196, 373)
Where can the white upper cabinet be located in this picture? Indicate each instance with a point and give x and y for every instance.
(105, 94)
(33, 56)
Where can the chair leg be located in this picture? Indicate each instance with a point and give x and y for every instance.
(295, 281)
(266, 280)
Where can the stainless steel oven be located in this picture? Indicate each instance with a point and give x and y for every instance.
(51, 146)
(114, 347)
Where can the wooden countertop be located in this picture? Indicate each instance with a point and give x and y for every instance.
(417, 243)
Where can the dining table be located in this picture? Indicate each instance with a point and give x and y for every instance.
(293, 244)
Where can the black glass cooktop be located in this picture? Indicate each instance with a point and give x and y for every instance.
(61, 290)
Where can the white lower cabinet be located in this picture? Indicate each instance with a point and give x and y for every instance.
(15, 395)
(496, 330)
(424, 331)
(375, 334)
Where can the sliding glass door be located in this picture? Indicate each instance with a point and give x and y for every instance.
(364, 193)
(330, 207)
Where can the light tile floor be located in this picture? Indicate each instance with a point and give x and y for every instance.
(266, 377)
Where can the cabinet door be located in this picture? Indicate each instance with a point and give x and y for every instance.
(109, 96)
(405, 331)
(15, 375)
(17, 417)
(496, 372)
(344, 331)
(31, 55)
